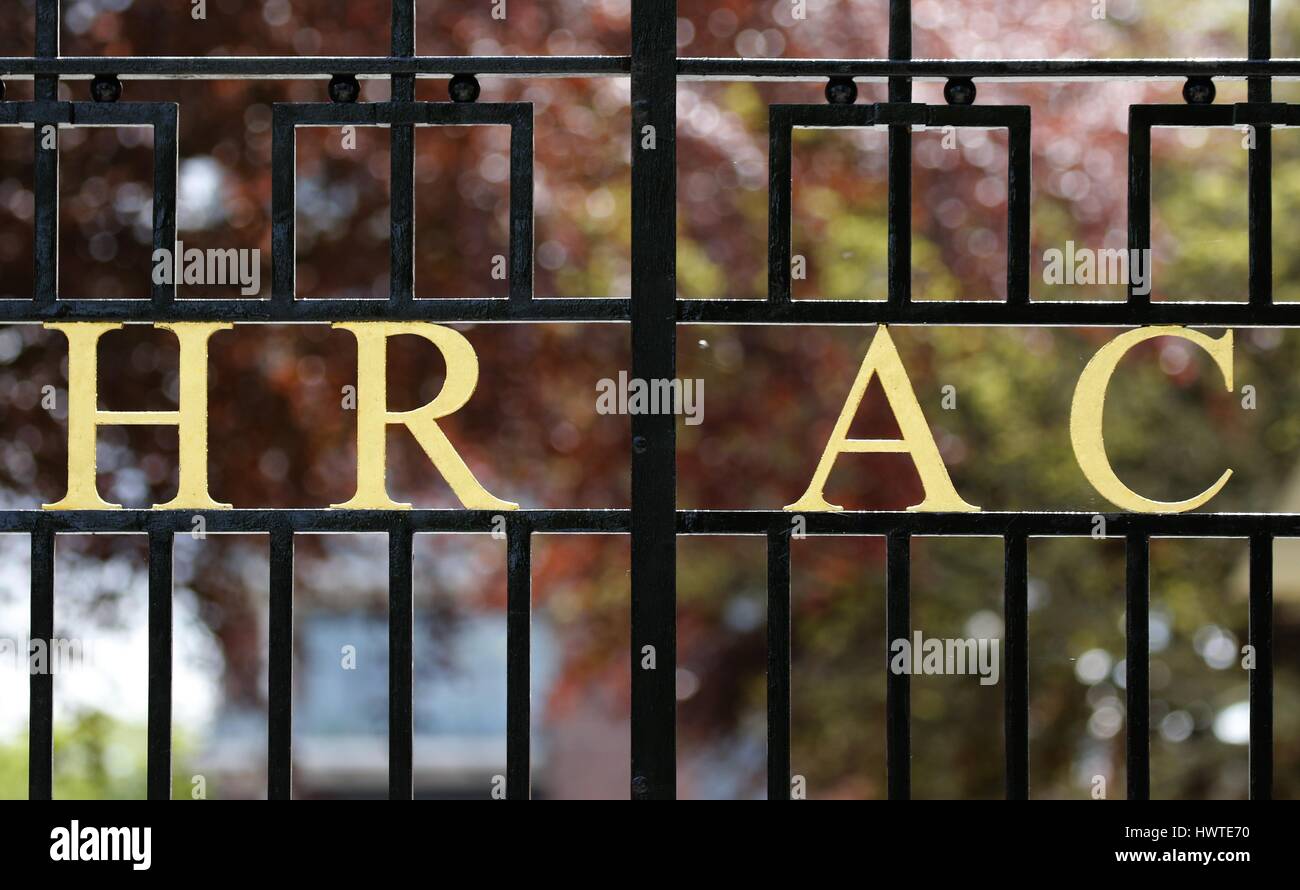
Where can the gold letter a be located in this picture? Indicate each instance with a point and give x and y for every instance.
(882, 359)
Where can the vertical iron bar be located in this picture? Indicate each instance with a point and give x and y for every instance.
(1019, 191)
(284, 176)
(1261, 676)
(521, 210)
(401, 624)
(47, 46)
(898, 689)
(40, 738)
(46, 161)
(900, 161)
(654, 343)
(1260, 164)
(402, 165)
(160, 661)
(778, 665)
(780, 149)
(403, 46)
(1139, 202)
(280, 660)
(1136, 665)
(165, 165)
(900, 47)
(519, 608)
(1015, 716)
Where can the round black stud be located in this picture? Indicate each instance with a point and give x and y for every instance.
(344, 89)
(841, 91)
(959, 91)
(106, 88)
(463, 88)
(639, 444)
(1199, 91)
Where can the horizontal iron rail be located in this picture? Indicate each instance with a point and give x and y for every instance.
(304, 310)
(989, 313)
(689, 522)
(688, 67)
(990, 523)
(756, 311)
(308, 67)
(993, 69)
(309, 521)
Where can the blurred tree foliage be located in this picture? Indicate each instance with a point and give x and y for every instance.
(98, 758)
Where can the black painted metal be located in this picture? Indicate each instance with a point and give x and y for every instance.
(279, 696)
(687, 67)
(40, 755)
(1137, 682)
(654, 436)
(159, 766)
(519, 616)
(1260, 164)
(402, 118)
(653, 522)
(1015, 691)
(898, 684)
(401, 663)
(778, 665)
(900, 162)
(1261, 675)
(898, 118)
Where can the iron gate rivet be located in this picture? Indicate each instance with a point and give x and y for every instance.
(1199, 91)
(959, 91)
(463, 88)
(344, 88)
(106, 88)
(841, 91)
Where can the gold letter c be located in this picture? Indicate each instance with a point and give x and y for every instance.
(1088, 408)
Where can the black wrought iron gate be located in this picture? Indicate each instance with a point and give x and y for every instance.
(653, 313)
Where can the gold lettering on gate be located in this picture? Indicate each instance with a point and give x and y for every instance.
(85, 418)
(373, 416)
(882, 361)
(373, 419)
(1089, 407)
